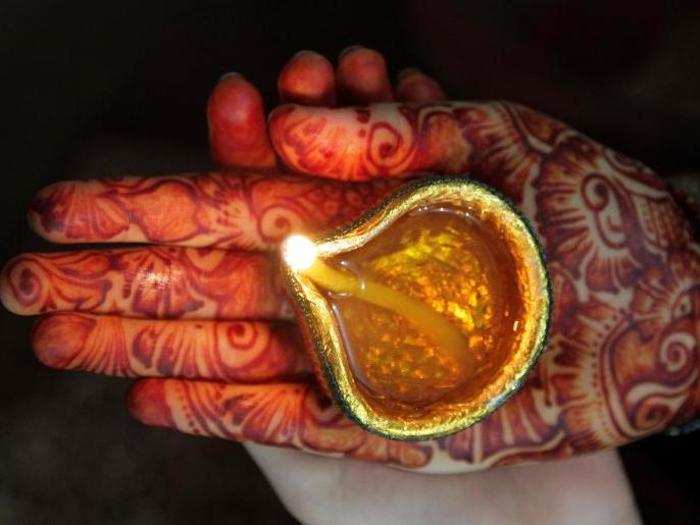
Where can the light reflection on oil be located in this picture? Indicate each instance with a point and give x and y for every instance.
(461, 269)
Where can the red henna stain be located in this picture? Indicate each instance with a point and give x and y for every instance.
(362, 115)
(386, 147)
(144, 345)
(286, 414)
(634, 169)
(48, 207)
(607, 233)
(58, 338)
(28, 282)
(313, 128)
(236, 330)
(147, 282)
(147, 403)
(168, 364)
(529, 434)
(153, 210)
(75, 210)
(223, 204)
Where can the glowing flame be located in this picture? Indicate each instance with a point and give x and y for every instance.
(299, 252)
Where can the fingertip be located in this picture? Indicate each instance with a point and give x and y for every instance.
(276, 119)
(19, 285)
(147, 402)
(235, 104)
(362, 76)
(415, 86)
(288, 133)
(308, 78)
(46, 211)
(349, 49)
(236, 118)
(58, 338)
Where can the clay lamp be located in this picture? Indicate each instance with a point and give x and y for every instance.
(426, 313)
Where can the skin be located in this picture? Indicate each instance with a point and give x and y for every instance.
(622, 361)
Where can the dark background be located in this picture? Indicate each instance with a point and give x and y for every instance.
(107, 88)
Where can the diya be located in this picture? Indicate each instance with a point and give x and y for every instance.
(426, 313)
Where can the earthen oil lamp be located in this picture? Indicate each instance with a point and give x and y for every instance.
(426, 313)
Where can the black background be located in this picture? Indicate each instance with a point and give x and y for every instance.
(106, 88)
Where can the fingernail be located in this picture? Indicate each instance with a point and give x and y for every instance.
(147, 403)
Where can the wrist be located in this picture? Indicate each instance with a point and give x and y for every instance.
(586, 489)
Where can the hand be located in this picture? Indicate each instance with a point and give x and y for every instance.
(204, 303)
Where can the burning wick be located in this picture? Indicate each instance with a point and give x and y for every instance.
(302, 256)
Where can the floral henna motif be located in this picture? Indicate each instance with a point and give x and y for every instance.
(524, 429)
(282, 414)
(157, 282)
(621, 374)
(243, 210)
(509, 143)
(601, 222)
(229, 351)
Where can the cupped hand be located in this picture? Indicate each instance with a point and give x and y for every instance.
(201, 312)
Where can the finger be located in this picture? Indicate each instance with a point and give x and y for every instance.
(237, 131)
(415, 86)
(242, 351)
(155, 282)
(282, 414)
(309, 79)
(224, 210)
(381, 140)
(362, 77)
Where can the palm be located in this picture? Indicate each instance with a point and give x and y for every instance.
(207, 306)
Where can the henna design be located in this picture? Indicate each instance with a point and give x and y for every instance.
(515, 433)
(628, 373)
(601, 222)
(282, 414)
(245, 210)
(157, 282)
(393, 140)
(217, 350)
(362, 143)
(623, 356)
